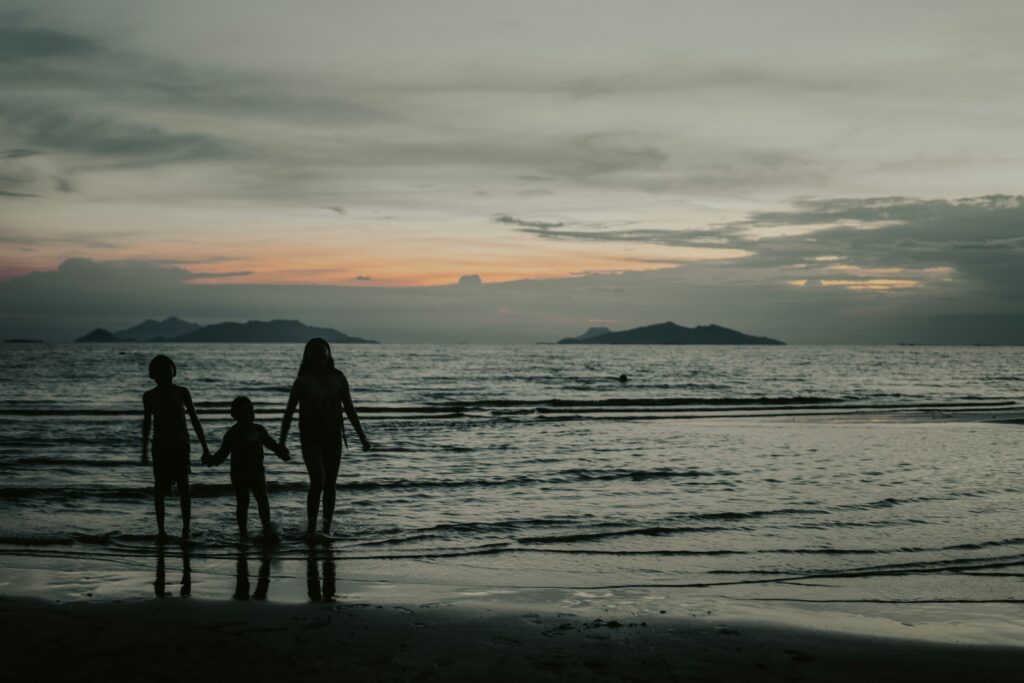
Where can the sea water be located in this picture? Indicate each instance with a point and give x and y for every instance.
(844, 473)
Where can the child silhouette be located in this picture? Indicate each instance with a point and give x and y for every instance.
(164, 408)
(244, 442)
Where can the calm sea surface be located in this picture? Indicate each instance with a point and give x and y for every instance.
(870, 472)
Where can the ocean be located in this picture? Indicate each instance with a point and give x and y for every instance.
(792, 472)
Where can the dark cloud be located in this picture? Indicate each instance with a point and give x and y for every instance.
(18, 153)
(15, 177)
(362, 278)
(89, 239)
(980, 238)
(17, 42)
(56, 129)
(540, 225)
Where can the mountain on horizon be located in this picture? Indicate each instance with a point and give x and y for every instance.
(254, 331)
(99, 335)
(157, 330)
(593, 332)
(671, 333)
(263, 331)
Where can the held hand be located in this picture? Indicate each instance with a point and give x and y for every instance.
(206, 460)
(286, 455)
(367, 446)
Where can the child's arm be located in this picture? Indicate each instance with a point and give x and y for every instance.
(277, 448)
(147, 422)
(222, 453)
(196, 427)
(350, 410)
(286, 421)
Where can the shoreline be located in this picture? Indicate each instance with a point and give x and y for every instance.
(199, 639)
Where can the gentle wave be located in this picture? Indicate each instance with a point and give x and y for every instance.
(205, 490)
(120, 541)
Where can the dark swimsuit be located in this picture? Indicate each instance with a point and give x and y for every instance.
(320, 419)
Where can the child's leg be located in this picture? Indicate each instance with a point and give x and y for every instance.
(186, 505)
(160, 486)
(241, 486)
(259, 492)
(242, 513)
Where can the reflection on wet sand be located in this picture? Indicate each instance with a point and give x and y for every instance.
(325, 591)
(242, 576)
(160, 582)
(321, 574)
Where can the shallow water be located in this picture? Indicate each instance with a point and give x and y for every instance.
(837, 473)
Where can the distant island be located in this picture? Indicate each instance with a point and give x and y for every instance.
(668, 333)
(100, 336)
(158, 330)
(175, 330)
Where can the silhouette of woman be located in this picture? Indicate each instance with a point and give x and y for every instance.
(320, 392)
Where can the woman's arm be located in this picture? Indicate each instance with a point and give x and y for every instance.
(350, 411)
(286, 421)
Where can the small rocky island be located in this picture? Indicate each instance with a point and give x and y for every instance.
(669, 333)
(175, 330)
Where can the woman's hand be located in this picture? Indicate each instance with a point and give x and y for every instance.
(367, 446)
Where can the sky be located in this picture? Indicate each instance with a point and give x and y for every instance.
(820, 172)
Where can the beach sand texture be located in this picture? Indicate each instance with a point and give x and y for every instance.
(209, 640)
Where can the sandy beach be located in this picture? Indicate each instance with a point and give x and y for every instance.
(188, 639)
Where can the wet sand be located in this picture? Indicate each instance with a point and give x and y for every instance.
(194, 639)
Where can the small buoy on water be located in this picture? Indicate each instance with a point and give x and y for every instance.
(623, 378)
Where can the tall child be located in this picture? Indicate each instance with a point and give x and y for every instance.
(164, 408)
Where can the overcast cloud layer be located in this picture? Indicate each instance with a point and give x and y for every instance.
(815, 172)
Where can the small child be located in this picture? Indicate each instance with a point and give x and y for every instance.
(244, 442)
(164, 408)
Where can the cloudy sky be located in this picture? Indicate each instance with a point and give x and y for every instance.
(822, 172)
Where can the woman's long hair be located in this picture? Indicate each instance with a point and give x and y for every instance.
(307, 365)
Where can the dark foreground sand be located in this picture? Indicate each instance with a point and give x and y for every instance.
(197, 640)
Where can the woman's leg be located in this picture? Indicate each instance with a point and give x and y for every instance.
(332, 462)
(312, 455)
(158, 502)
